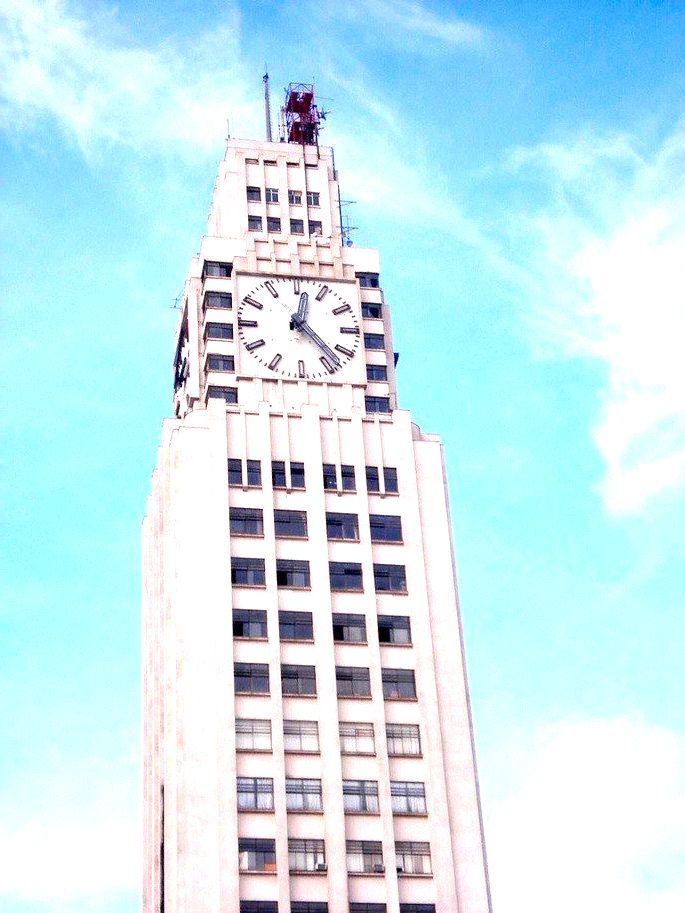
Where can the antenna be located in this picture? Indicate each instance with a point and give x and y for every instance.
(267, 106)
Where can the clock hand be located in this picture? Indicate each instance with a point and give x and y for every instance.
(303, 306)
(304, 327)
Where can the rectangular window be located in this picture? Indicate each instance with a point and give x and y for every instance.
(227, 394)
(352, 681)
(357, 738)
(368, 280)
(219, 331)
(312, 198)
(408, 798)
(417, 908)
(303, 795)
(292, 575)
(345, 575)
(385, 528)
(273, 224)
(372, 479)
(223, 363)
(246, 521)
(372, 310)
(364, 856)
(258, 906)
(218, 270)
(253, 474)
(255, 794)
(297, 226)
(390, 479)
(298, 679)
(251, 678)
(247, 572)
(413, 857)
(295, 197)
(218, 300)
(398, 684)
(271, 195)
(297, 475)
(254, 223)
(290, 524)
(360, 796)
(308, 906)
(403, 739)
(365, 906)
(306, 855)
(314, 227)
(374, 341)
(254, 194)
(295, 626)
(253, 735)
(394, 629)
(235, 472)
(278, 474)
(256, 855)
(376, 372)
(342, 526)
(390, 578)
(347, 480)
(301, 735)
(349, 629)
(377, 403)
(249, 623)
(330, 478)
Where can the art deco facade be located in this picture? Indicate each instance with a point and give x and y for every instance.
(307, 737)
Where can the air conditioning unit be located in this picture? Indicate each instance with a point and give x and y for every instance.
(321, 867)
(379, 867)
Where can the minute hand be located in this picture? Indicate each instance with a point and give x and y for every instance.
(308, 331)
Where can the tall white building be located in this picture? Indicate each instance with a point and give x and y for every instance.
(307, 735)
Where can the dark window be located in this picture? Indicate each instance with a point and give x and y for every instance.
(256, 855)
(306, 855)
(312, 198)
(278, 474)
(246, 521)
(357, 738)
(412, 857)
(297, 226)
(219, 331)
(347, 480)
(377, 403)
(218, 300)
(271, 195)
(254, 223)
(293, 574)
(279, 478)
(301, 735)
(254, 194)
(389, 578)
(342, 526)
(398, 684)
(291, 524)
(297, 475)
(352, 681)
(394, 629)
(308, 906)
(303, 795)
(372, 480)
(403, 739)
(368, 280)
(374, 340)
(213, 268)
(376, 372)
(417, 908)
(253, 735)
(247, 572)
(249, 623)
(372, 309)
(295, 626)
(364, 856)
(345, 575)
(235, 472)
(254, 474)
(298, 679)
(227, 394)
(390, 479)
(330, 479)
(220, 363)
(258, 906)
(255, 794)
(273, 224)
(294, 197)
(366, 906)
(408, 798)
(314, 227)
(360, 796)
(251, 678)
(349, 629)
(385, 528)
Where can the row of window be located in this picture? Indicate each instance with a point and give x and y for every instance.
(321, 906)
(304, 794)
(214, 330)
(347, 628)
(250, 476)
(273, 224)
(230, 394)
(254, 195)
(224, 300)
(344, 576)
(226, 364)
(292, 524)
(223, 270)
(351, 681)
(403, 739)
(412, 857)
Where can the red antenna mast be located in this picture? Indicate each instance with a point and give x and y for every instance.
(300, 117)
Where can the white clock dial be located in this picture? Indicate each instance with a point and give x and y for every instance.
(304, 329)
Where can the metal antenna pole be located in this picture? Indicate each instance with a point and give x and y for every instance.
(267, 108)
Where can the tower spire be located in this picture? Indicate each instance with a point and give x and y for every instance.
(267, 106)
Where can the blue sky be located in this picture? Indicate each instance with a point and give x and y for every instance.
(520, 167)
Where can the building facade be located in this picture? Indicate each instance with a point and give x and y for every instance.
(307, 735)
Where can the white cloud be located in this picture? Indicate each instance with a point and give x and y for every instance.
(592, 818)
(414, 22)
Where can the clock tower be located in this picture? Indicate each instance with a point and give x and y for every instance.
(307, 734)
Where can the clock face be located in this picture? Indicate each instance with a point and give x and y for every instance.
(302, 329)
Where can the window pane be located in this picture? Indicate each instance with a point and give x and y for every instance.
(385, 528)
(254, 473)
(306, 855)
(246, 521)
(349, 628)
(330, 481)
(219, 331)
(390, 478)
(249, 623)
(292, 574)
(255, 794)
(247, 572)
(278, 474)
(345, 575)
(403, 739)
(294, 197)
(374, 341)
(298, 679)
(376, 372)
(372, 310)
(342, 526)
(297, 226)
(273, 224)
(291, 523)
(394, 629)
(360, 796)
(254, 193)
(352, 681)
(223, 363)
(253, 735)
(235, 472)
(372, 480)
(295, 626)
(398, 684)
(389, 578)
(301, 735)
(271, 195)
(227, 394)
(368, 280)
(297, 475)
(408, 798)
(347, 482)
(218, 300)
(312, 198)
(377, 404)
(254, 223)
(357, 738)
(413, 857)
(256, 855)
(364, 856)
(251, 678)
(213, 268)
(303, 795)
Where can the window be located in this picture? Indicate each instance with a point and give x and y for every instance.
(368, 280)
(251, 678)
(292, 574)
(389, 578)
(330, 478)
(301, 735)
(377, 403)
(254, 194)
(228, 394)
(295, 626)
(297, 226)
(219, 270)
(366, 906)
(376, 372)
(278, 475)
(306, 855)
(247, 572)
(258, 906)
(398, 684)
(417, 908)
(394, 629)
(294, 197)
(385, 528)
(314, 227)
(357, 738)
(374, 341)
(297, 475)
(291, 524)
(246, 521)
(360, 796)
(347, 481)
(345, 575)
(342, 526)
(413, 858)
(372, 481)
(352, 681)
(271, 195)
(253, 475)
(218, 300)
(255, 794)
(390, 479)
(308, 906)
(372, 310)
(219, 331)
(303, 795)
(350, 629)
(273, 223)
(312, 198)
(298, 679)
(408, 798)
(364, 856)
(256, 855)
(254, 223)
(220, 363)
(249, 623)
(403, 739)
(253, 735)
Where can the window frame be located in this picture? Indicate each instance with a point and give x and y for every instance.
(253, 567)
(377, 405)
(394, 623)
(386, 527)
(394, 575)
(254, 788)
(346, 522)
(355, 684)
(367, 793)
(304, 676)
(291, 566)
(271, 194)
(413, 850)
(308, 789)
(408, 738)
(252, 519)
(307, 847)
(398, 684)
(273, 225)
(255, 674)
(297, 226)
(254, 194)
(255, 732)
(382, 370)
(226, 330)
(367, 306)
(351, 621)
(302, 730)
(358, 734)
(293, 518)
(211, 365)
(351, 571)
(370, 853)
(294, 197)
(254, 223)
(375, 342)
(304, 620)
(225, 297)
(410, 796)
(250, 617)
(264, 850)
(227, 394)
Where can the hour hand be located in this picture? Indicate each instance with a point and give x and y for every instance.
(304, 327)
(303, 306)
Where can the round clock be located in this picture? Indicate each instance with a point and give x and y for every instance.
(299, 328)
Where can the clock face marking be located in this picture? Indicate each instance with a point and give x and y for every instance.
(251, 301)
(342, 309)
(273, 364)
(327, 365)
(257, 344)
(322, 294)
(350, 330)
(300, 369)
(270, 287)
(296, 286)
(247, 323)
(344, 351)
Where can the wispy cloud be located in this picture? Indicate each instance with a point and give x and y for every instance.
(414, 23)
